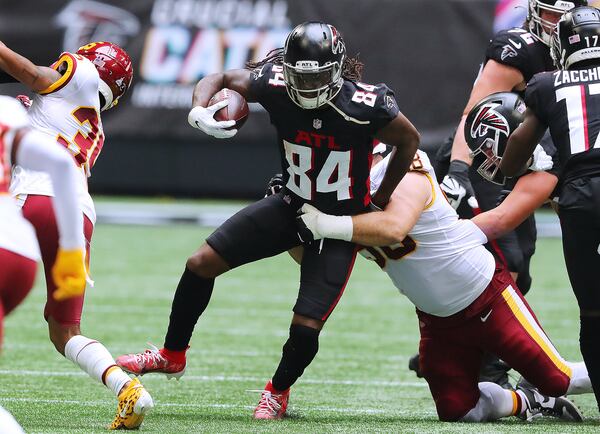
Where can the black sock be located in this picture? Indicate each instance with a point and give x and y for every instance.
(590, 350)
(190, 300)
(299, 350)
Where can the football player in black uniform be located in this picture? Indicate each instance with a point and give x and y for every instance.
(511, 59)
(568, 103)
(326, 121)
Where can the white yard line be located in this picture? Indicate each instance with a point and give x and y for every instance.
(231, 378)
(351, 411)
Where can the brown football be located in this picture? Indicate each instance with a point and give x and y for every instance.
(237, 110)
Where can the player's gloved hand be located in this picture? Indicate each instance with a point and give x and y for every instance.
(275, 185)
(540, 160)
(315, 225)
(456, 184)
(203, 119)
(69, 273)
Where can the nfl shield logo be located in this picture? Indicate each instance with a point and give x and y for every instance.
(317, 123)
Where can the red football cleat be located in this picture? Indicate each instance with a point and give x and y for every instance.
(151, 360)
(272, 404)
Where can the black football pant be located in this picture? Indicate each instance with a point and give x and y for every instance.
(580, 224)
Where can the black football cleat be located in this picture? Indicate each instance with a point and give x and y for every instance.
(542, 405)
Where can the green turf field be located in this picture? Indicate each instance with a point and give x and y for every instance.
(358, 382)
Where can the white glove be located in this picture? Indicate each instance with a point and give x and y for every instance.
(317, 225)
(203, 119)
(454, 192)
(541, 161)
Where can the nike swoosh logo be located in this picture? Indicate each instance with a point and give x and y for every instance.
(484, 318)
(517, 45)
(123, 413)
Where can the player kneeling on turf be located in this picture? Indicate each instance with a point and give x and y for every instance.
(467, 306)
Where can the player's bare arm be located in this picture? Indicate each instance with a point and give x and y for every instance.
(530, 192)
(37, 78)
(521, 144)
(390, 226)
(495, 77)
(236, 79)
(405, 138)
(379, 228)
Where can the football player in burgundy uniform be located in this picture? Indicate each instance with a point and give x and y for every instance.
(568, 103)
(19, 251)
(468, 306)
(511, 59)
(326, 121)
(69, 97)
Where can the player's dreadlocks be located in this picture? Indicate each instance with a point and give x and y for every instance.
(351, 69)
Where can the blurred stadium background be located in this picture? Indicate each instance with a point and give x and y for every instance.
(428, 52)
(155, 169)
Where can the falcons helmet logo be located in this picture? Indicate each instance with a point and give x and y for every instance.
(488, 118)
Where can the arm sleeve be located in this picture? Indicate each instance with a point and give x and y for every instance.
(41, 153)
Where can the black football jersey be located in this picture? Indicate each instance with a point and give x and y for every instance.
(326, 152)
(518, 48)
(568, 102)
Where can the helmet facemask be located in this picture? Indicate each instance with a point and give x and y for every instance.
(540, 28)
(311, 86)
(491, 164)
(487, 128)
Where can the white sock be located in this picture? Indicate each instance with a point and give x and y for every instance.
(494, 403)
(580, 380)
(92, 357)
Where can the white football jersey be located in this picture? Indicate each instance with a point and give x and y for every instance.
(441, 266)
(69, 112)
(16, 233)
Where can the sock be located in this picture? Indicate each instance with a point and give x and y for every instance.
(580, 380)
(190, 300)
(590, 350)
(92, 357)
(114, 378)
(494, 402)
(174, 356)
(299, 350)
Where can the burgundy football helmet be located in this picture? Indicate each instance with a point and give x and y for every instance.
(114, 67)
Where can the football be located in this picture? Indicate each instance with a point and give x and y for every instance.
(237, 110)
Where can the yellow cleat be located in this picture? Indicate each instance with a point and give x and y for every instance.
(134, 403)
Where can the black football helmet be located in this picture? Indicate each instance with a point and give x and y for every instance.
(313, 57)
(541, 28)
(487, 128)
(576, 37)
